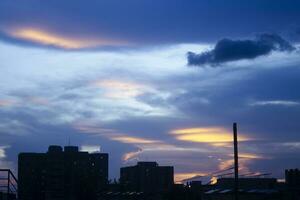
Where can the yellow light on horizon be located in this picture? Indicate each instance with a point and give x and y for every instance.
(180, 177)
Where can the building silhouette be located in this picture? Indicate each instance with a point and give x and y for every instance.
(247, 183)
(62, 174)
(292, 178)
(147, 177)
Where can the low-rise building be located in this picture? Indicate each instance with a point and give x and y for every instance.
(147, 177)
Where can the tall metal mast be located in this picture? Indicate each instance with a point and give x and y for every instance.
(236, 162)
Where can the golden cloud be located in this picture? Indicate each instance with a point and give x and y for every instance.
(46, 38)
(206, 135)
(181, 177)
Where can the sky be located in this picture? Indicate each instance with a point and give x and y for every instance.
(153, 81)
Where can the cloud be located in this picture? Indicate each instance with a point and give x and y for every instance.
(134, 21)
(111, 134)
(117, 89)
(233, 50)
(275, 103)
(90, 148)
(45, 38)
(2, 151)
(3, 157)
(14, 127)
(205, 135)
(131, 155)
(211, 99)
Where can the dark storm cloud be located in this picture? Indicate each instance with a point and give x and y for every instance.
(148, 22)
(233, 50)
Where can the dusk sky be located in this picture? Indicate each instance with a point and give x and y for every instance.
(153, 80)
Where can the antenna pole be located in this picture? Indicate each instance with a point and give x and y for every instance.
(236, 162)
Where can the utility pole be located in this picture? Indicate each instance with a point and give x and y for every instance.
(236, 162)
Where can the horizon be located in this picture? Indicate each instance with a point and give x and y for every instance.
(159, 80)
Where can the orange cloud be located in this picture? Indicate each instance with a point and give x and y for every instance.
(131, 155)
(226, 164)
(46, 38)
(205, 135)
(181, 177)
(186, 177)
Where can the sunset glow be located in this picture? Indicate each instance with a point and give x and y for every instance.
(46, 38)
(205, 135)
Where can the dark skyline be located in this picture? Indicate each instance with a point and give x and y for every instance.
(67, 173)
(117, 76)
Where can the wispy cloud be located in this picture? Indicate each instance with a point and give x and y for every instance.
(3, 157)
(112, 134)
(2, 151)
(90, 148)
(205, 135)
(131, 155)
(275, 103)
(245, 159)
(291, 144)
(120, 89)
(42, 37)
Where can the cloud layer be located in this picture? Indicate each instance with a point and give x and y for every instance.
(233, 50)
(147, 105)
(77, 25)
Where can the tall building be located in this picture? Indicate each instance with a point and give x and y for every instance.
(147, 177)
(61, 174)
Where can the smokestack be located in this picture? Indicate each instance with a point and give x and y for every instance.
(236, 162)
